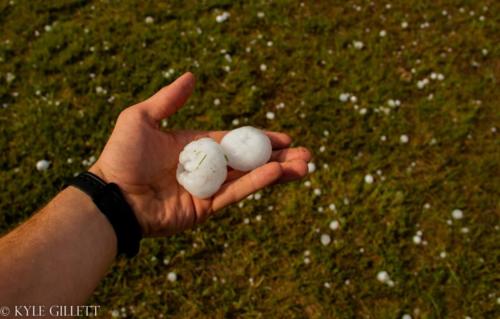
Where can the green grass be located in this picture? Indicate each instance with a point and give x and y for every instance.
(53, 110)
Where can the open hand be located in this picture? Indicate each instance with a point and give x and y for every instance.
(142, 160)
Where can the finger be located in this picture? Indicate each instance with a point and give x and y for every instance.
(278, 140)
(293, 170)
(170, 98)
(282, 156)
(289, 154)
(247, 184)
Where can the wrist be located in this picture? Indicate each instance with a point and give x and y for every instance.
(111, 202)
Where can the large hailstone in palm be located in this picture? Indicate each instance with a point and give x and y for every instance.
(202, 167)
(246, 148)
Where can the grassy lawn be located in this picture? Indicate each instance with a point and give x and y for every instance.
(398, 101)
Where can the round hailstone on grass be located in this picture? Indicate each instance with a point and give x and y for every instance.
(222, 17)
(457, 214)
(404, 24)
(263, 67)
(382, 33)
(172, 276)
(358, 45)
(369, 179)
(383, 276)
(326, 239)
(442, 255)
(307, 183)
(344, 97)
(406, 316)
(404, 139)
(334, 225)
(417, 239)
(246, 148)
(317, 191)
(270, 115)
(149, 20)
(42, 165)
(311, 167)
(202, 167)
(216, 102)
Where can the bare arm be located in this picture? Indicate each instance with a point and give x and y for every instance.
(60, 254)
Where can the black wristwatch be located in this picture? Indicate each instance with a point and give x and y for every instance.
(110, 201)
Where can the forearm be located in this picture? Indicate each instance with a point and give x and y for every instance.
(59, 255)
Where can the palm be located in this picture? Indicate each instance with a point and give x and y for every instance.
(142, 160)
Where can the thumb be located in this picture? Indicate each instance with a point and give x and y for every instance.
(170, 98)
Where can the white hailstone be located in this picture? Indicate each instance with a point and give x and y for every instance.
(42, 165)
(246, 221)
(307, 253)
(263, 67)
(326, 133)
(368, 179)
(216, 102)
(149, 20)
(9, 77)
(417, 239)
(322, 149)
(269, 43)
(406, 316)
(363, 111)
(327, 285)
(202, 167)
(353, 99)
(246, 148)
(442, 254)
(166, 261)
(307, 183)
(307, 260)
(317, 191)
(383, 276)
(344, 97)
(440, 77)
(464, 230)
(334, 225)
(270, 115)
(320, 209)
(392, 103)
(457, 214)
(383, 138)
(404, 138)
(258, 218)
(222, 17)
(404, 24)
(326, 239)
(260, 14)
(228, 58)
(115, 313)
(172, 276)
(382, 33)
(427, 206)
(236, 122)
(484, 52)
(311, 167)
(498, 300)
(332, 207)
(358, 45)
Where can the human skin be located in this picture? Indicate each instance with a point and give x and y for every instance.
(61, 253)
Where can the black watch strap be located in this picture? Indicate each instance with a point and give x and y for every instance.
(110, 201)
